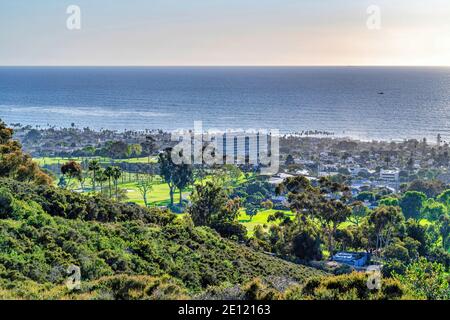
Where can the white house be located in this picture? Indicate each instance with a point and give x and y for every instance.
(389, 175)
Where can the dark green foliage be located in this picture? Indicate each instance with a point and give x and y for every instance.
(233, 230)
(212, 207)
(208, 203)
(36, 248)
(6, 202)
(254, 192)
(430, 188)
(366, 196)
(175, 175)
(306, 245)
(73, 205)
(349, 287)
(412, 203)
(426, 280)
(444, 229)
(328, 203)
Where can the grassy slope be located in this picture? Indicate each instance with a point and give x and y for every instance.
(35, 252)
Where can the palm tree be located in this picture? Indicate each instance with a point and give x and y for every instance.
(94, 166)
(109, 172)
(116, 173)
(101, 177)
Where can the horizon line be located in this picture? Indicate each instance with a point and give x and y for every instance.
(223, 66)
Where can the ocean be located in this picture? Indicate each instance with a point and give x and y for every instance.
(382, 103)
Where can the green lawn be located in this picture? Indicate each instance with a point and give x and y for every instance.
(136, 160)
(104, 160)
(158, 196)
(259, 219)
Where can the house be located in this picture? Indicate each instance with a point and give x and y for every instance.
(444, 177)
(389, 175)
(327, 173)
(303, 172)
(279, 178)
(355, 259)
(280, 200)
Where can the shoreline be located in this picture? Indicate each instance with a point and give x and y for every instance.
(303, 134)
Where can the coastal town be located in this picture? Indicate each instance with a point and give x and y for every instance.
(366, 165)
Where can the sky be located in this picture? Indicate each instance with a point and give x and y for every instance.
(225, 32)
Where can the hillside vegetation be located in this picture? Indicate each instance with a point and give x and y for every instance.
(52, 237)
(43, 230)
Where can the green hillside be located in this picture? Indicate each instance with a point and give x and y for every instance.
(118, 247)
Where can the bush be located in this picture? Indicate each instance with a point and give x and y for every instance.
(72, 205)
(351, 287)
(232, 230)
(6, 203)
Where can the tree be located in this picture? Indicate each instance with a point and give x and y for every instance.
(289, 160)
(430, 188)
(433, 210)
(444, 230)
(109, 173)
(200, 174)
(71, 170)
(82, 178)
(251, 210)
(168, 171)
(208, 203)
(62, 183)
(412, 203)
(175, 175)
(389, 201)
(268, 205)
(345, 237)
(16, 164)
(94, 166)
(426, 280)
(396, 252)
(148, 146)
(134, 150)
(101, 178)
(184, 177)
(212, 207)
(118, 149)
(6, 203)
(386, 221)
(233, 172)
(32, 136)
(418, 232)
(231, 212)
(359, 211)
(366, 196)
(327, 203)
(144, 186)
(444, 198)
(116, 174)
(306, 241)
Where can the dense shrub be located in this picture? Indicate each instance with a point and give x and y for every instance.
(344, 287)
(72, 205)
(36, 248)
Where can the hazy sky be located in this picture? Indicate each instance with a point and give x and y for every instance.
(225, 32)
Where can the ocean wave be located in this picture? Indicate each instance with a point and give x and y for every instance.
(84, 111)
